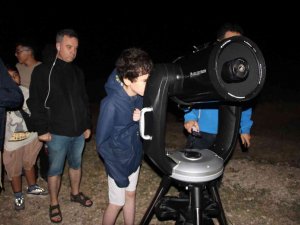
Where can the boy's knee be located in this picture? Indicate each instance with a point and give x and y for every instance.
(130, 195)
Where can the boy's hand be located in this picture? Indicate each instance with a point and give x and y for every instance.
(246, 140)
(136, 115)
(191, 124)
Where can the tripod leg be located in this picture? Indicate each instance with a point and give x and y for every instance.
(216, 196)
(196, 200)
(161, 191)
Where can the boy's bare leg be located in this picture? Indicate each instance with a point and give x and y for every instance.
(129, 208)
(111, 213)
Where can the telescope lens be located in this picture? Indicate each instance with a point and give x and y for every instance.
(235, 70)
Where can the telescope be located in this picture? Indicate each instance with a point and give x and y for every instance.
(226, 73)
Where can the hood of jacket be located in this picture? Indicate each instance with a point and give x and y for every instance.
(114, 85)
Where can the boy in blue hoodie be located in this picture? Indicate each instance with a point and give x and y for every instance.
(117, 134)
(205, 120)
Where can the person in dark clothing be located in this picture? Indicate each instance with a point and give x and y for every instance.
(117, 135)
(11, 96)
(60, 113)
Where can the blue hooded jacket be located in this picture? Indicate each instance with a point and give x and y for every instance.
(11, 96)
(208, 120)
(117, 135)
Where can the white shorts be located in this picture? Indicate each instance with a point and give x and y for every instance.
(116, 195)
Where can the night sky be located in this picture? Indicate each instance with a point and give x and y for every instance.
(164, 32)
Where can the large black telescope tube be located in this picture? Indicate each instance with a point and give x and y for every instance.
(231, 70)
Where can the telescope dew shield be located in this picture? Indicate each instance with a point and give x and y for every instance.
(231, 70)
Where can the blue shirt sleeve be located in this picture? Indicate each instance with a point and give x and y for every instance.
(191, 115)
(246, 122)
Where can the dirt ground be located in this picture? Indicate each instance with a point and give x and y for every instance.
(261, 186)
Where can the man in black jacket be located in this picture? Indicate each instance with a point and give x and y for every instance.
(60, 112)
(10, 97)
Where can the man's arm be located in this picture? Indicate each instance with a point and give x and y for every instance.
(88, 120)
(37, 95)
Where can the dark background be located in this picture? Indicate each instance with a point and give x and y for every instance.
(164, 31)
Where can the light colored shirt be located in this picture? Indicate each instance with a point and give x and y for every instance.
(25, 73)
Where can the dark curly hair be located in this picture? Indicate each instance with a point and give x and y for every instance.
(132, 63)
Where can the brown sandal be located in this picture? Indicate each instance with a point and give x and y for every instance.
(54, 215)
(81, 199)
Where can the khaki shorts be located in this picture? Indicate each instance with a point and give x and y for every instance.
(23, 157)
(117, 195)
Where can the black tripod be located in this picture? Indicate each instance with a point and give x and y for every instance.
(198, 204)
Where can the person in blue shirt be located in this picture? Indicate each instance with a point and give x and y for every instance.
(202, 123)
(117, 134)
